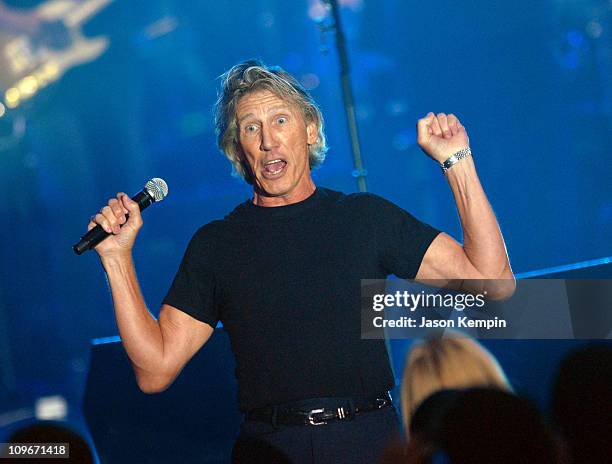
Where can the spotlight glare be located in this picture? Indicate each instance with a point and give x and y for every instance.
(317, 11)
(41, 78)
(12, 97)
(51, 71)
(28, 86)
(310, 81)
(51, 408)
(594, 29)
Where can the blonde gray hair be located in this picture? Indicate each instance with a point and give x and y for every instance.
(449, 361)
(252, 76)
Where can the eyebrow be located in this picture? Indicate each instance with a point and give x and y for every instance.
(271, 110)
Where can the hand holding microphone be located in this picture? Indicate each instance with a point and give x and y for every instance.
(114, 228)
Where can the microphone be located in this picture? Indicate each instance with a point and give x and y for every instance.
(154, 190)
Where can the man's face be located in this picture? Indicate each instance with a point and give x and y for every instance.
(274, 139)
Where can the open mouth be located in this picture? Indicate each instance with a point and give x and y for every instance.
(274, 168)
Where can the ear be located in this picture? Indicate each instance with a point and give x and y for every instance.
(246, 167)
(312, 133)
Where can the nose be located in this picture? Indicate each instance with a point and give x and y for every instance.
(268, 138)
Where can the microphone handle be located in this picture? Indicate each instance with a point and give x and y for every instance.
(97, 234)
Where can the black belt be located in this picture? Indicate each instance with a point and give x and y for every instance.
(318, 411)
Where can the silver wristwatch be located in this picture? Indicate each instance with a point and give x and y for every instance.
(455, 158)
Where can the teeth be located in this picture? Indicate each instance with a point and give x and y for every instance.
(273, 162)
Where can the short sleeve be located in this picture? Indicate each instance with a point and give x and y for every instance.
(402, 239)
(194, 289)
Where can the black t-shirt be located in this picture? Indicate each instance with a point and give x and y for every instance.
(285, 282)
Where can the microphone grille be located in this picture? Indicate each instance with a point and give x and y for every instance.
(157, 188)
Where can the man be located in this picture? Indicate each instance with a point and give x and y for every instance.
(282, 272)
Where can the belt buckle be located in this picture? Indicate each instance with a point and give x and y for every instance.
(312, 420)
(381, 403)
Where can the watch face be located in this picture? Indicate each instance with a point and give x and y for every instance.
(450, 161)
(455, 158)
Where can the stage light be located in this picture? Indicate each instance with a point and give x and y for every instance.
(267, 20)
(41, 78)
(12, 97)
(28, 86)
(594, 29)
(161, 27)
(396, 107)
(51, 408)
(51, 71)
(405, 140)
(575, 39)
(317, 10)
(310, 81)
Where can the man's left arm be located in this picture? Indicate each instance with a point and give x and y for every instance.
(481, 264)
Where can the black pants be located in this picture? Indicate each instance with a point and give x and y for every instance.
(356, 441)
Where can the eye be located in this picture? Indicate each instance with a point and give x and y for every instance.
(251, 128)
(281, 120)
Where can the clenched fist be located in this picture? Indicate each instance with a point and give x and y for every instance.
(440, 136)
(121, 218)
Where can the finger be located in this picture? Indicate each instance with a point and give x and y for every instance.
(452, 124)
(459, 125)
(435, 126)
(111, 219)
(443, 121)
(119, 195)
(133, 210)
(91, 224)
(117, 209)
(424, 129)
(100, 219)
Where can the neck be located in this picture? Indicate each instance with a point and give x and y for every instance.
(299, 193)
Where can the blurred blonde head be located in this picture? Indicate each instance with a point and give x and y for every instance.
(439, 362)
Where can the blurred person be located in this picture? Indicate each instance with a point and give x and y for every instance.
(414, 452)
(486, 425)
(448, 360)
(582, 403)
(477, 425)
(283, 270)
(49, 432)
(426, 421)
(429, 415)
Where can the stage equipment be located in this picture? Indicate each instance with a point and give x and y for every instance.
(28, 64)
(195, 421)
(359, 172)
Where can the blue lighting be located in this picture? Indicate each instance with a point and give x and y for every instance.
(564, 268)
(575, 39)
(105, 340)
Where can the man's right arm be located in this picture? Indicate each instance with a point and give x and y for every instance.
(158, 349)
